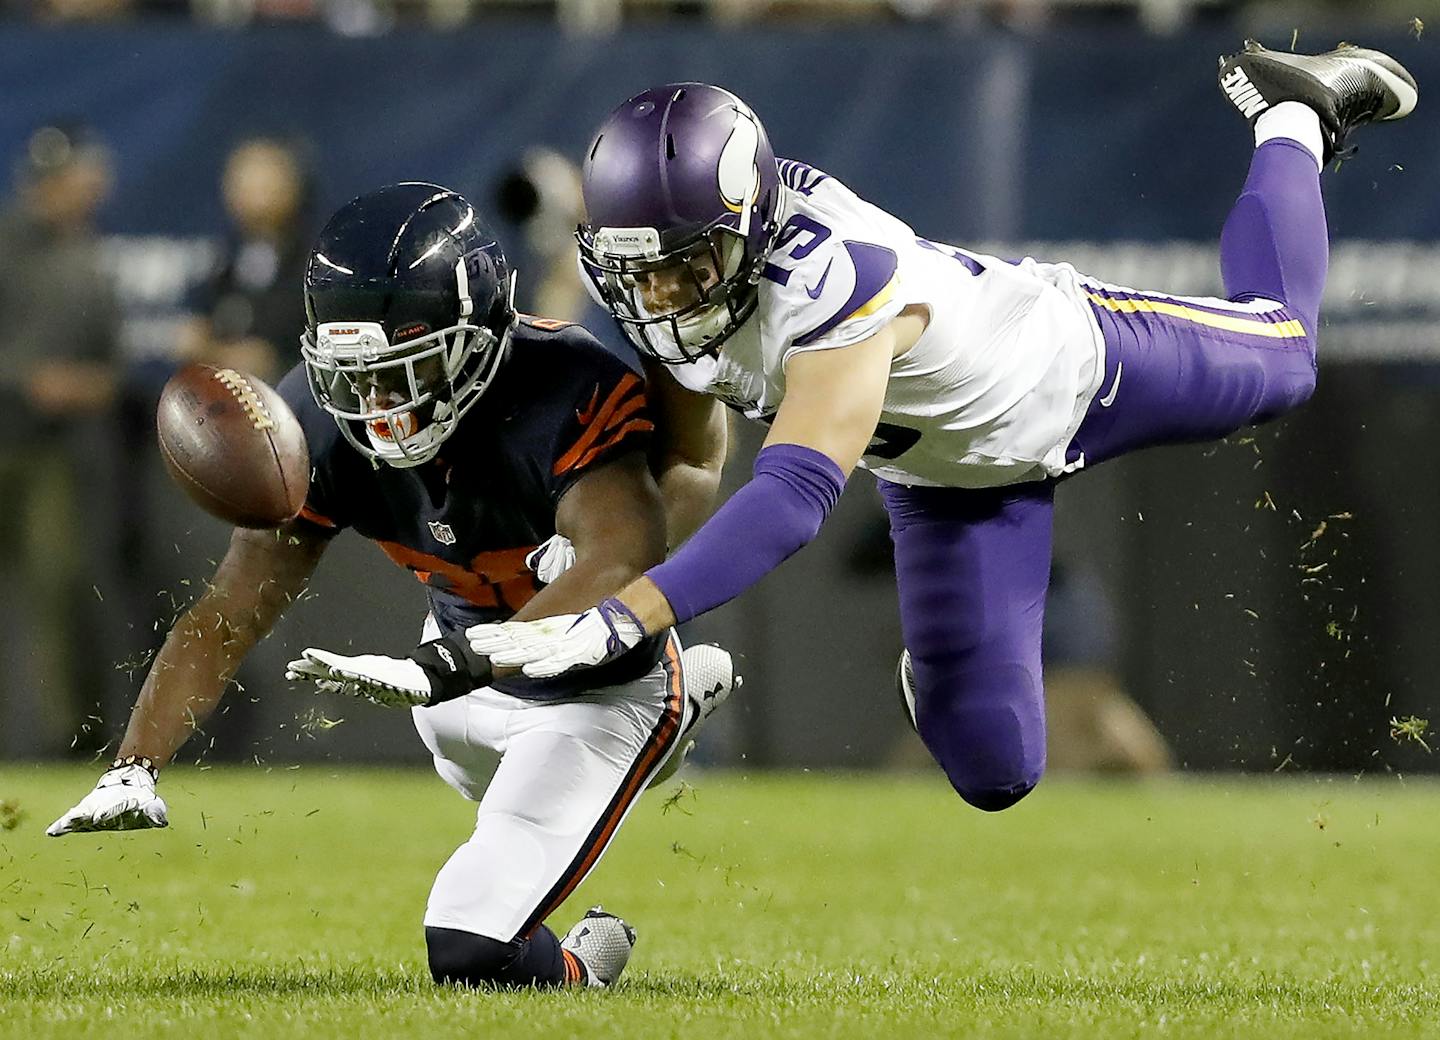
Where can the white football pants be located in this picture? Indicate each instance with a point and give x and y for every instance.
(569, 772)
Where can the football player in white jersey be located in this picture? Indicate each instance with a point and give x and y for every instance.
(967, 384)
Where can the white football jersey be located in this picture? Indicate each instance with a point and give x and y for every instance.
(990, 394)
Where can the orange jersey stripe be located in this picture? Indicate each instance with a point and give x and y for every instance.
(316, 518)
(626, 410)
(491, 579)
(661, 738)
(633, 426)
(596, 426)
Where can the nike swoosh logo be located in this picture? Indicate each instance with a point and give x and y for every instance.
(1109, 399)
(814, 293)
(588, 412)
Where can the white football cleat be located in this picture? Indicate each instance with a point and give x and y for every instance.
(602, 943)
(710, 678)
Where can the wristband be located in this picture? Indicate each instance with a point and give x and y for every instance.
(614, 614)
(143, 761)
(452, 667)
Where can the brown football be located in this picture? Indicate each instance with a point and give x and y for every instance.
(233, 444)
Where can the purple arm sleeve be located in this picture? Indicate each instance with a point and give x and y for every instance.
(762, 525)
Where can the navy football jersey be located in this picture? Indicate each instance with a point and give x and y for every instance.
(560, 406)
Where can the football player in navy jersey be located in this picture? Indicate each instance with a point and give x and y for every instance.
(469, 443)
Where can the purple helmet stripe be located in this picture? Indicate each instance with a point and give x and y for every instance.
(874, 267)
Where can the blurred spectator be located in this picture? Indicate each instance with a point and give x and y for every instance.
(83, 10)
(1093, 725)
(540, 197)
(249, 313)
(58, 340)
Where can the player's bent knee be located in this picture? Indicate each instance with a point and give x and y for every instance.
(991, 762)
(1303, 384)
(468, 959)
(1288, 389)
(996, 799)
(986, 784)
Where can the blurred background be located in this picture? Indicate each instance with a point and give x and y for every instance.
(1264, 604)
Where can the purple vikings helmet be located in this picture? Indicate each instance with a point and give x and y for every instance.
(681, 197)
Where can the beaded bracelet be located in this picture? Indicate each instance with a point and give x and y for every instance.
(143, 761)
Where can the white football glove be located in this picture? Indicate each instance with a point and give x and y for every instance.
(552, 558)
(548, 646)
(123, 800)
(395, 682)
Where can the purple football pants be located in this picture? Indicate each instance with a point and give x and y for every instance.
(973, 566)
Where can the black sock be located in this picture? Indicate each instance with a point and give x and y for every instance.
(541, 962)
(477, 960)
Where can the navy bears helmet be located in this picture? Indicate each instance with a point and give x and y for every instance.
(409, 307)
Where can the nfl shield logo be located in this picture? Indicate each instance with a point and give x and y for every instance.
(442, 533)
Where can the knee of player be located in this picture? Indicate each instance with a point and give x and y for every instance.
(1305, 380)
(995, 799)
(465, 958)
(1287, 389)
(987, 784)
(989, 770)
(1300, 377)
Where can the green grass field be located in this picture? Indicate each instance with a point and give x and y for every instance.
(286, 903)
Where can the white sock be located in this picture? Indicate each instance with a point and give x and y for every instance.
(1294, 121)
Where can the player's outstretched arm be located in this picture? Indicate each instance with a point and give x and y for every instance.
(261, 574)
(688, 452)
(616, 528)
(832, 403)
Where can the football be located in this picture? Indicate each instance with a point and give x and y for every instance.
(233, 444)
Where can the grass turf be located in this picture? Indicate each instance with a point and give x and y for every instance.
(286, 903)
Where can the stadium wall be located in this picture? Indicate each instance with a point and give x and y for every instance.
(1111, 149)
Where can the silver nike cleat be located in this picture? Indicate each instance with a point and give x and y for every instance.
(603, 943)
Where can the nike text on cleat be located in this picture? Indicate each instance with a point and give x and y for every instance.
(709, 673)
(905, 687)
(1347, 87)
(602, 943)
